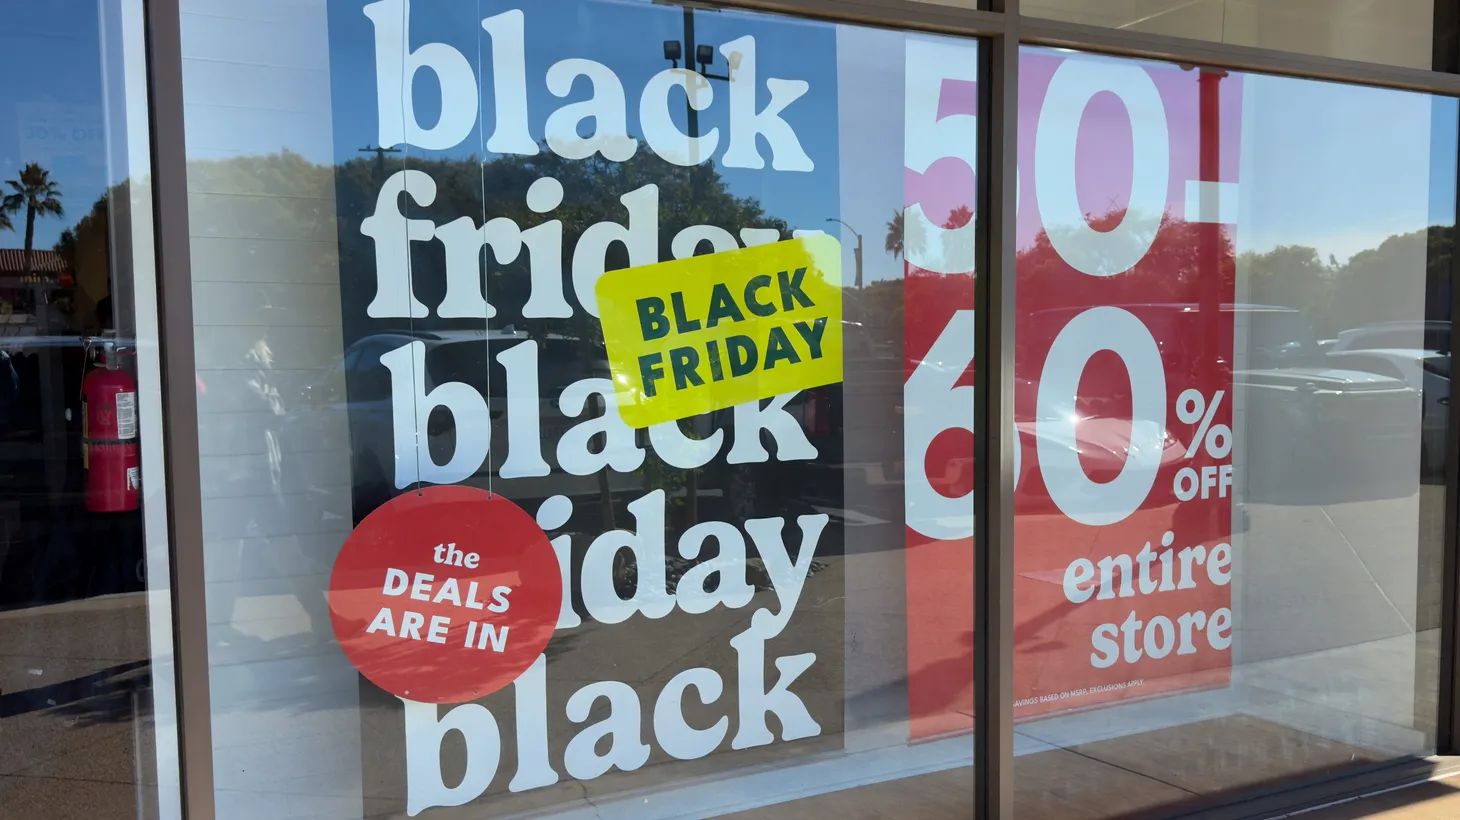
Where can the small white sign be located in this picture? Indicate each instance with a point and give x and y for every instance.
(126, 416)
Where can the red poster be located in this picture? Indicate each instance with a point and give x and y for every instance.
(445, 594)
(1123, 380)
(941, 136)
(1123, 394)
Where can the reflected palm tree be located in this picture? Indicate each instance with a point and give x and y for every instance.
(893, 244)
(36, 194)
(900, 243)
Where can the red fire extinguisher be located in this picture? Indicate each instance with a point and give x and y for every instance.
(109, 437)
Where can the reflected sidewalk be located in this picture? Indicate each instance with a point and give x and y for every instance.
(1433, 800)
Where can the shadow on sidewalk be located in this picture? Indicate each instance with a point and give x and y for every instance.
(1434, 800)
(101, 697)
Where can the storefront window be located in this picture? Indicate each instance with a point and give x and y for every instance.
(586, 409)
(1232, 384)
(1394, 32)
(87, 717)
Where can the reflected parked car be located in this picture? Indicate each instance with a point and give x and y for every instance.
(1418, 334)
(360, 384)
(1418, 352)
(1308, 431)
(357, 388)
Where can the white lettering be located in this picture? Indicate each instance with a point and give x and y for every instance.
(509, 84)
(393, 234)
(545, 254)
(746, 123)
(411, 408)
(605, 107)
(787, 576)
(1080, 571)
(727, 569)
(425, 787)
(626, 751)
(674, 735)
(751, 419)
(600, 596)
(384, 622)
(663, 136)
(575, 454)
(755, 701)
(641, 237)
(395, 71)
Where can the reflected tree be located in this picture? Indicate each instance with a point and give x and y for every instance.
(35, 194)
(85, 247)
(1169, 270)
(298, 198)
(896, 234)
(1366, 289)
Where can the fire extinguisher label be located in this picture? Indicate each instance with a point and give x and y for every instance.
(126, 416)
(134, 478)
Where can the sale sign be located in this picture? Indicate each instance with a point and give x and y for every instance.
(940, 141)
(695, 335)
(445, 595)
(1123, 365)
(1123, 373)
(530, 305)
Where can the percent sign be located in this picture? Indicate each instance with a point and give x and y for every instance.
(1192, 407)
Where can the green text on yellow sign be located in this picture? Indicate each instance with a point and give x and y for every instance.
(709, 332)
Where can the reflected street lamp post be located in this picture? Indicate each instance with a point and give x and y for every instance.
(675, 50)
(379, 151)
(856, 253)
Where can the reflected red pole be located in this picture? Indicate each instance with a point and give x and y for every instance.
(1209, 266)
(1211, 375)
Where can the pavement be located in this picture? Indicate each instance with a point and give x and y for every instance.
(1434, 800)
(1335, 635)
(75, 711)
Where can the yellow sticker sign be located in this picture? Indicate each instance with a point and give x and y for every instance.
(709, 332)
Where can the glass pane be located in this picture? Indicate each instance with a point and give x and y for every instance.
(692, 574)
(87, 717)
(1233, 372)
(1392, 32)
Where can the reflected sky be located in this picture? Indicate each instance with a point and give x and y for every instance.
(1327, 165)
(51, 105)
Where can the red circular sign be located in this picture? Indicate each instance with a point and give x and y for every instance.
(445, 595)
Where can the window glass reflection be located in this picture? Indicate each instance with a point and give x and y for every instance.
(1232, 390)
(86, 696)
(407, 218)
(1394, 32)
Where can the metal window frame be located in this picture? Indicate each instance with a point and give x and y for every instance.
(1447, 737)
(1003, 31)
(994, 306)
(180, 406)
